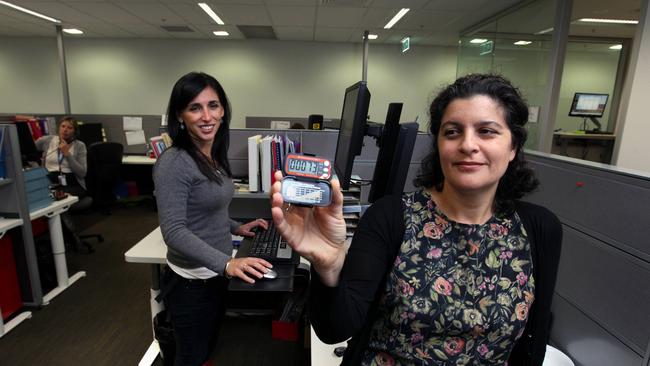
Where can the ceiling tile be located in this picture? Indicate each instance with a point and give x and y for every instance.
(102, 29)
(191, 13)
(294, 33)
(294, 16)
(396, 5)
(107, 12)
(63, 12)
(152, 13)
(339, 17)
(243, 14)
(426, 20)
(292, 2)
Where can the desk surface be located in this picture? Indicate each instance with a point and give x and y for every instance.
(138, 160)
(586, 136)
(56, 206)
(151, 249)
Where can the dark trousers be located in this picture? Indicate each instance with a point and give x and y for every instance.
(196, 308)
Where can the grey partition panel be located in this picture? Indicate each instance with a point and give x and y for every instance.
(584, 341)
(603, 203)
(602, 297)
(265, 122)
(114, 128)
(600, 278)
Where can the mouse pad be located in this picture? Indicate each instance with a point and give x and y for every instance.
(283, 283)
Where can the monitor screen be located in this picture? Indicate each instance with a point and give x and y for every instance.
(588, 105)
(353, 124)
(90, 133)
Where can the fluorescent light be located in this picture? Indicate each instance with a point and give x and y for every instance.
(220, 33)
(30, 12)
(610, 21)
(396, 18)
(372, 36)
(543, 31)
(73, 31)
(616, 47)
(478, 40)
(208, 10)
(522, 43)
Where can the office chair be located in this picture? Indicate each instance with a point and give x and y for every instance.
(104, 161)
(104, 166)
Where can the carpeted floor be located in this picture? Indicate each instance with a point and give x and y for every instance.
(103, 319)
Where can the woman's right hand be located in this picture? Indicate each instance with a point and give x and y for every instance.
(317, 234)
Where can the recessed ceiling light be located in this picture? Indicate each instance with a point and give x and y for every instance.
(372, 36)
(522, 43)
(616, 47)
(30, 12)
(208, 10)
(611, 21)
(478, 40)
(220, 33)
(396, 18)
(73, 31)
(543, 31)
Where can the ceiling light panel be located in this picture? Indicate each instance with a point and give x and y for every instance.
(608, 21)
(396, 18)
(208, 10)
(73, 31)
(29, 11)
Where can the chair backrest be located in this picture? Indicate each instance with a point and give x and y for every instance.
(104, 165)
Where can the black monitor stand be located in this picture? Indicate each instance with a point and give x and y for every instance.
(593, 120)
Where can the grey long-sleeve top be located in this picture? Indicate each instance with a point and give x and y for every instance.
(193, 212)
(76, 161)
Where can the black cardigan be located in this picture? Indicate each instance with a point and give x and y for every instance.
(349, 310)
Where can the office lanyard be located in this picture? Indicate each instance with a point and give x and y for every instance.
(62, 179)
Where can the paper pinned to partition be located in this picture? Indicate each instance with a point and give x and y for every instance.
(132, 123)
(135, 137)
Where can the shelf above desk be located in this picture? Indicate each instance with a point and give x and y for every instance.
(138, 160)
(585, 136)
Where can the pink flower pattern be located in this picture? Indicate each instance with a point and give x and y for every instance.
(406, 333)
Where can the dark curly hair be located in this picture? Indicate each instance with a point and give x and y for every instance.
(518, 178)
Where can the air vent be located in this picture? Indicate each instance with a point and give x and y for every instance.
(177, 28)
(257, 31)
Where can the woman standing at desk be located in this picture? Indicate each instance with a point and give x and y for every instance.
(64, 157)
(458, 273)
(193, 191)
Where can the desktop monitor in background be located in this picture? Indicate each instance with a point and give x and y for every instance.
(390, 174)
(589, 105)
(89, 133)
(387, 143)
(28, 152)
(352, 131)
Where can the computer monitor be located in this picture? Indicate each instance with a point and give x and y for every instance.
(589, 105)
(387, 143)
(353, 125)
(390, 174)
(28, 151)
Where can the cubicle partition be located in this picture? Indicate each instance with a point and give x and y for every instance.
(601, 309)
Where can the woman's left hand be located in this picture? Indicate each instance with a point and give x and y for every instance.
(245, 229)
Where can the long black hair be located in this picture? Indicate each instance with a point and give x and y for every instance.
(184, 91)
(518, 178)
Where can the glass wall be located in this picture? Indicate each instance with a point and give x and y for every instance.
(518, 46)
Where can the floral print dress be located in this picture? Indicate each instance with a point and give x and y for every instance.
(457, 294)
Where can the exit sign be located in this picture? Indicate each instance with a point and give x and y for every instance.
(406, 44)
(486, 48)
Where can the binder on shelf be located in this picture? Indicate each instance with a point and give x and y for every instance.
(266, 163)
(254, 163)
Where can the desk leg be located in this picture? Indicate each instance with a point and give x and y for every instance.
(154, 350)
(5, 328)
(60, 264)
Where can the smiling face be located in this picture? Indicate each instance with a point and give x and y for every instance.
(202, 118)
(474, 144)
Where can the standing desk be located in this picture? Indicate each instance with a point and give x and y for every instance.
(53, 213)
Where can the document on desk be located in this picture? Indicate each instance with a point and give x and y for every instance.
(254, 163)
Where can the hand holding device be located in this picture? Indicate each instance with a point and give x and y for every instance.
(64, 147)
(316, 233)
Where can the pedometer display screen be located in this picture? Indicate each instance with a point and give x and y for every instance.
(310, 167)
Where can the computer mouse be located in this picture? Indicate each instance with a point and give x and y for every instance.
(270, 275)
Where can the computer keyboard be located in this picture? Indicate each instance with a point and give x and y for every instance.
(269, 245)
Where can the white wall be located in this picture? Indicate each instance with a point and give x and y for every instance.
(633, 148)
(261, 78)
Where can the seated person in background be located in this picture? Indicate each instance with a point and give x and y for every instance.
(459, 272)
(64, 157)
